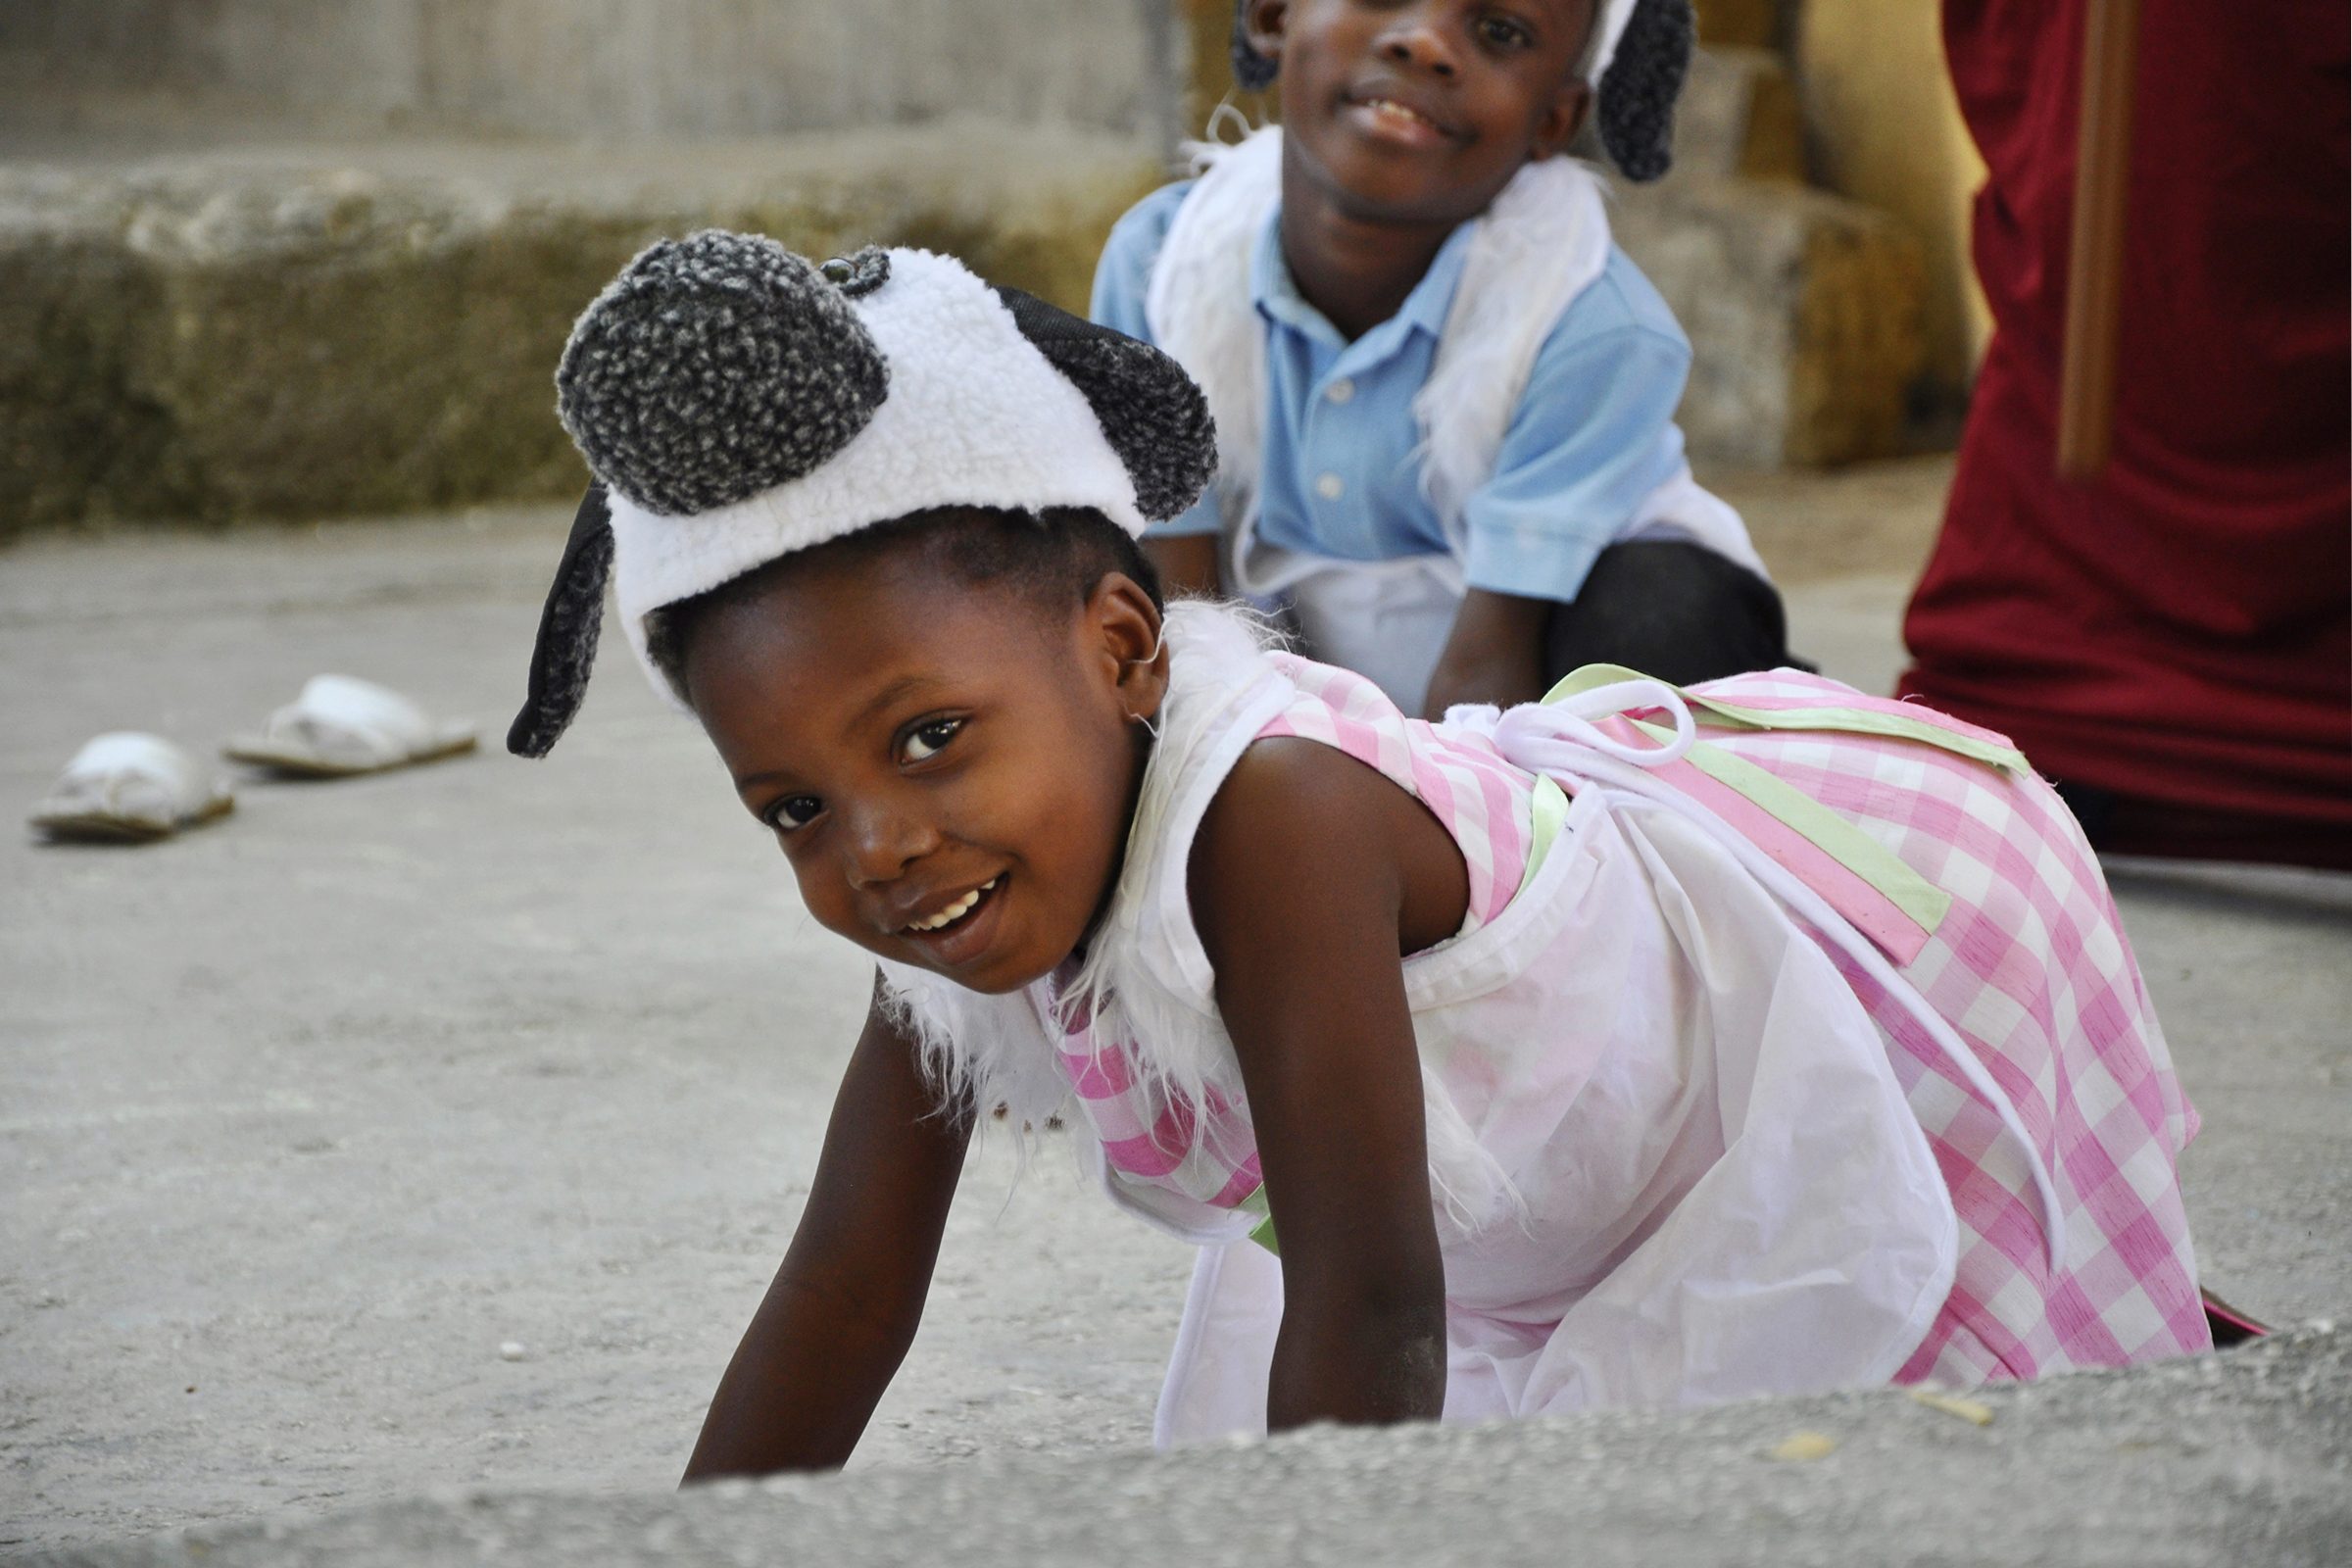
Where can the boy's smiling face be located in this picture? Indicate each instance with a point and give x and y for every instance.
(948, 768)
(1421, 111)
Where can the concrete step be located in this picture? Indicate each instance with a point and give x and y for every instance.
(2235, 1458)
(1740, 114)
(318, 329)
(1805, 313)
(255, 326)
(1806, 310)
(1749, 23)
(637, 68)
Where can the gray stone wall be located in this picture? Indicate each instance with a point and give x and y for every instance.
(618, 67)
(295, 334)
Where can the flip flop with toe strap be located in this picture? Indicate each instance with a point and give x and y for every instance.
(129, 788)
(341, 726)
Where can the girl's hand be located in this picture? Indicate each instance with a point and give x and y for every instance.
(1312, 877)
(845, 1303)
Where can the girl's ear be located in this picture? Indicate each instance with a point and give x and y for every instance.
(1134, 642)
(1256, 46)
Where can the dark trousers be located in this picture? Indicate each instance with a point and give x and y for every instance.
(1670, 608)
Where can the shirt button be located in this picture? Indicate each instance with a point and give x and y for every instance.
(1340, 391)
(1330, 487)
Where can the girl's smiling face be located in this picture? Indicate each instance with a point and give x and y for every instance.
(949, 768)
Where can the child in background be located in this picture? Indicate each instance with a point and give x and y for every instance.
(1445, 398)
(1646, 1046)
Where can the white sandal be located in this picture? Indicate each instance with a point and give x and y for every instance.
(129, 788)
(341, 726)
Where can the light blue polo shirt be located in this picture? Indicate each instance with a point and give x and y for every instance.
(1592, 436)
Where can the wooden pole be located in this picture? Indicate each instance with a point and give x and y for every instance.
(2094, 269)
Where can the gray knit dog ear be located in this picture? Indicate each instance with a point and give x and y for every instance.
(567, 632)
(1151, 413)
(1638, 91)
(1252, 70)
(715, 367)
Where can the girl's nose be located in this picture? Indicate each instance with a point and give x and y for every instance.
(1417, 37)
(884, 842)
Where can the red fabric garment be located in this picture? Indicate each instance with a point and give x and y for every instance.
(2179, 632)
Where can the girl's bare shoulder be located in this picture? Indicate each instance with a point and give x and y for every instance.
(1298, 825)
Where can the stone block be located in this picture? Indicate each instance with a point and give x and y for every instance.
(1745, 24)
(645, 69)
(319, 328)
(74, 304)
(1740, 114)
(1805, 312)
(298, 334)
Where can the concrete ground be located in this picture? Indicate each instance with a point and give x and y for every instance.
(440, 1130)
(2238, 1459)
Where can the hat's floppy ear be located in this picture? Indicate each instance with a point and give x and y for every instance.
(567, 632)
(715, 367)
(1151, 413)
(1638, 91)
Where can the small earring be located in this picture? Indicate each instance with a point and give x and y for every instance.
(1144, 720)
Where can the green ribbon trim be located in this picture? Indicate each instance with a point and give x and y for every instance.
(1259, 1204)
(1923, 902)
(1858, 721)
(1548, 814)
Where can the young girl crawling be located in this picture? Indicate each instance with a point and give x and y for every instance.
(1639, 1047)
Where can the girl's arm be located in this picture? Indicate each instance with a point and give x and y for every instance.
(845, 1304)
(1312, 877)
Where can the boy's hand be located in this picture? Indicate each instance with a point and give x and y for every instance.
(1495, 655)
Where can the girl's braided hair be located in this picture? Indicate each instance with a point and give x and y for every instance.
(1050, 559)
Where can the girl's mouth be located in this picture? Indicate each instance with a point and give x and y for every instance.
(963, 909)
(963, 932)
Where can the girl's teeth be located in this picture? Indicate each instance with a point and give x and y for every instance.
(954, 911)
(1397, 111)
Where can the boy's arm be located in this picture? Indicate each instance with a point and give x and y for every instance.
(1312, 874)
(1493, 655)
(845, 1304)
(1187, 563)
(1593, 435)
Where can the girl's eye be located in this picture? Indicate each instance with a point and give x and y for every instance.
(794, 811)
(924, 743)
(1502, 30)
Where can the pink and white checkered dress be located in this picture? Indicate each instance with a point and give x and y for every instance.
(2031, 967)
(1892, 1208)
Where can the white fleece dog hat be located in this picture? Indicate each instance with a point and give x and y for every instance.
(737, 404)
